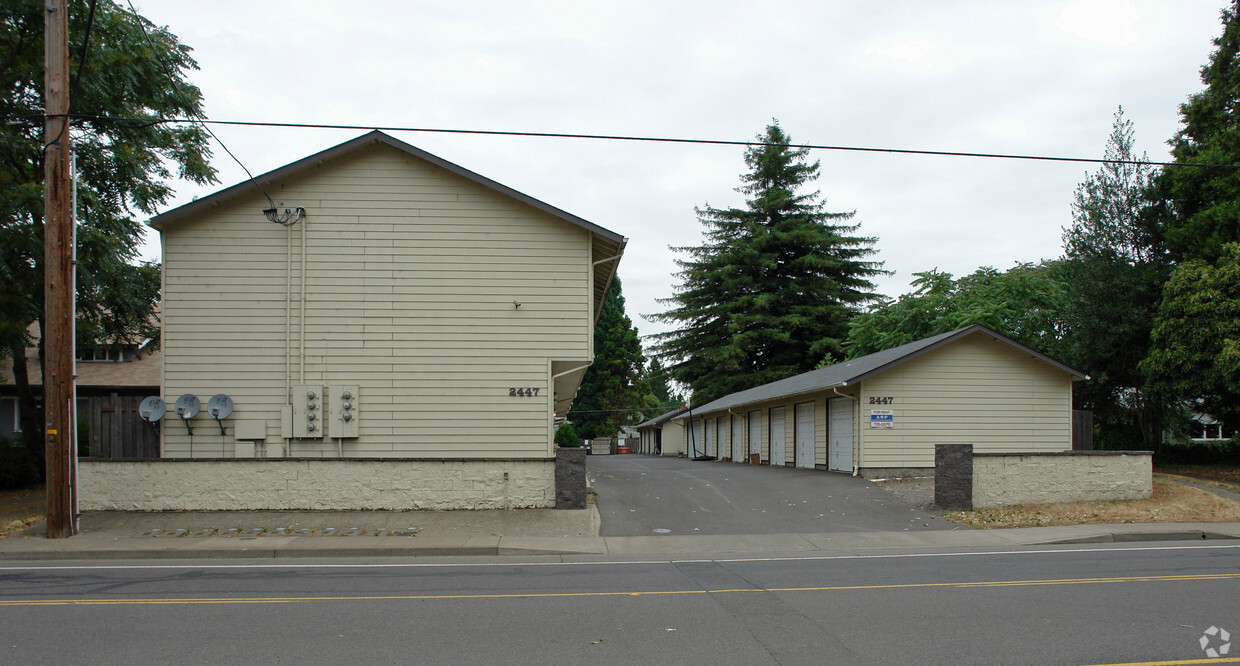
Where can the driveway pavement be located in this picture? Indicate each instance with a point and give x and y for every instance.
(642, 495)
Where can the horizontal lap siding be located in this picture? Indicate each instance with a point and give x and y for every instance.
(411, 274)
(976, 391)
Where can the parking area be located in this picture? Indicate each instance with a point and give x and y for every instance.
(642, 495)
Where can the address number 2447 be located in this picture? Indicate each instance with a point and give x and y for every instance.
(522, 392)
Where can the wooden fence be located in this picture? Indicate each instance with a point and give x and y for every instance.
(109, 426)
(1082, 430)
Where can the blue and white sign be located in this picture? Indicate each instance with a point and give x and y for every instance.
(882, 418)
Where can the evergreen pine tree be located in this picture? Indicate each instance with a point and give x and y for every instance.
(1114, 266)
(1206, 200)
(658, 378)
(613, 392)
(771, 289)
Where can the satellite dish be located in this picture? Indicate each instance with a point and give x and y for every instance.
(152, 409)
(219, 406)
(187, 406)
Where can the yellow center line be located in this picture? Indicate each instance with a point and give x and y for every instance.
(1220, 660)
(554, 595)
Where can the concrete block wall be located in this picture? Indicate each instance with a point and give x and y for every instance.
(1068, 476)
(328, 485)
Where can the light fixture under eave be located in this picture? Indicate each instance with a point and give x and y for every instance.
(288, 218)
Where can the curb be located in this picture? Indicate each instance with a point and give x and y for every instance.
(1122, 537)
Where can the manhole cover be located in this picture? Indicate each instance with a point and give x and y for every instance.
(661, 530)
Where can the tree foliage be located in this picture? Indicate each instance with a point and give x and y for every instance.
(123, 169)
(1196, 339)
(1022, 303)
(1115, 263)
(613, 392)
(772, 287)
(659, 381)
(1207, 200)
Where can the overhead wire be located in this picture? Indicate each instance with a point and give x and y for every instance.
(651, 139)
(176, 88)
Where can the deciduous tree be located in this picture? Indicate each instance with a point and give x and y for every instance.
(129, 69)
(1196, 338)
(1022, 303)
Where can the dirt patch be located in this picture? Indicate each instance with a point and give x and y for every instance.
(1170, 502)
(20, 509)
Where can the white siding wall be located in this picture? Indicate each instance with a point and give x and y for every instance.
(411, 274)
(976, 391)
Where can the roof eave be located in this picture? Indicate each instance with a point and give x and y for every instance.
(159, 222)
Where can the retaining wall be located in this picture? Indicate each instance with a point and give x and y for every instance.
(301, 484)
(1006, 479)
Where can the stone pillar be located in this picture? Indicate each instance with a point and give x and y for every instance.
(953, 476)
(570, 478)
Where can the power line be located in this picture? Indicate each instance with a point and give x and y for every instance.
(654, 139)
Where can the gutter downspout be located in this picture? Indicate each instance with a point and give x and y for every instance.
(856, 444)
(288, 329)
(302, 331)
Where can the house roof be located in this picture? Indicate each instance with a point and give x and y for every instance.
(143, 371)
(662, 418)
(608, 245)
(850, 372)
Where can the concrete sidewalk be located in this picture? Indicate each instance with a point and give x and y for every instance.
(120, 535)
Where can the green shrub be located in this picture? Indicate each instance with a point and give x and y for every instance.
(566, 436)
(1220, 452)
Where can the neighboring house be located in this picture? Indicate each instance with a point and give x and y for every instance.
(883, 413)
(662, 436)
(1205, 429)
(111, 382)
(414, 313)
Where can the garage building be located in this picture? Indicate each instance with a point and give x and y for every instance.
(882, 414)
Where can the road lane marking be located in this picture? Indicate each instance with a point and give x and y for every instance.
(561, 563)
(1220, 660)
(627, 593)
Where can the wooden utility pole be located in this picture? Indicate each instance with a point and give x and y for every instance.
(58, 276)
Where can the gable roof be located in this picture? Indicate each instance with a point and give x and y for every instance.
(850, 372)
(608, 245)
(663, 417)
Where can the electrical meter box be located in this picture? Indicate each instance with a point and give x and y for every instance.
(344, 411)
(308, 412)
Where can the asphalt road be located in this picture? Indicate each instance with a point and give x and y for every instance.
(643, 495)
(1065, 605)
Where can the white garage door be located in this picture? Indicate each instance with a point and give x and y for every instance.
(777, 437)
(738, 439)
(755, 432)
(695, 444)
(721, 436)
(840, 439)
(710, 437)
(803, 435)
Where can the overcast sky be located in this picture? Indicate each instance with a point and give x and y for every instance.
(1028, 77)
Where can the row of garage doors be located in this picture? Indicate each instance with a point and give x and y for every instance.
(737, 436)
